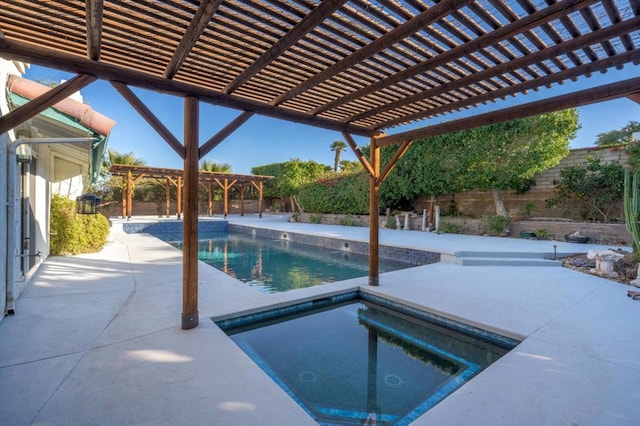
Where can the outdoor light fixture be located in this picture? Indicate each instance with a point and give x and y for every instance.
(23, 153)
(87, 204)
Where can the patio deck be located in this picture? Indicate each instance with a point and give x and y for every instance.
(96, 338)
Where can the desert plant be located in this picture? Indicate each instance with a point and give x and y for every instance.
(632, 207)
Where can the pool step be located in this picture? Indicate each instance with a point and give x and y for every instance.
(470, 258)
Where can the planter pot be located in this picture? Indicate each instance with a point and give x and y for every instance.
(581, 239)
(524, 234)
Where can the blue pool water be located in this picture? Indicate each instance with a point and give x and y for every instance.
(279, 265)
(354, 361)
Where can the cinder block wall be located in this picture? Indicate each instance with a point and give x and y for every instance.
(153, 208)
(478, 203)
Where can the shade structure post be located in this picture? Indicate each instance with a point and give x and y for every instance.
(242, 189)
(374, 218)
(167, 196)
(260, 197)
(129, 195)
(190, 221)
(225, 190)
(179, 197)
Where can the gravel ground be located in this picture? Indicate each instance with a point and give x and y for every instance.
(627, 267)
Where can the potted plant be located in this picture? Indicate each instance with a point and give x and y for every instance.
(576, 237)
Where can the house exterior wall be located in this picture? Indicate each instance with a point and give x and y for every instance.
(6, 67)
(58, 168)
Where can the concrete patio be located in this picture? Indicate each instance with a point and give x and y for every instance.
(96, 338)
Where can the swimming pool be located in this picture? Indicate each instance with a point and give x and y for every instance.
(358, 357)
(277, 265)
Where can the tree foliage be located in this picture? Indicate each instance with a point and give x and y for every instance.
(598, 187)
(346, 193)
(621, 136)
(289, 177)
(212, 166)
(495, 157)
(128, 158)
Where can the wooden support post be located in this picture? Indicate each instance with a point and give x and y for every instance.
(242, 189)
(225, 190)
(258, 186)
(210, 205)
(190, 223)
(374, 217)
(179, 196)
(260, 199)
(167, 196)
(129, 194)
(124, 202)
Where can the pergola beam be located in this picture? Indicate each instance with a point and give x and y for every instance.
(557, 103)
(308, 23)
(150, 118)
(36, 55)
(359, 155)
(44, 101)
(94, 11)
(224, 133)
(198, 24)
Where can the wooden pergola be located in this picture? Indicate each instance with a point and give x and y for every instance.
(354, 66)
(168, 177)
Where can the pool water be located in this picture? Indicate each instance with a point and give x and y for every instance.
(358, 361)
(280, 265)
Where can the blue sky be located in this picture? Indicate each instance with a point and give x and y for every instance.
(263, 140)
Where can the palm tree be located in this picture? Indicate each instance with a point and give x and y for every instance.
(128, 159)
(338, 147)
(211, 166)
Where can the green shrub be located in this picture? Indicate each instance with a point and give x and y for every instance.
(446, 227)
(74, 234)
(348, 220)
(542, 234)
(497, 224)
(315, 218)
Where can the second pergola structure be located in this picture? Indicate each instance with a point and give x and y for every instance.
(167, 177)
(356, 67)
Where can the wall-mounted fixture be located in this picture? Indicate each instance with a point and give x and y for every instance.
(23, 153)
(87, 204)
